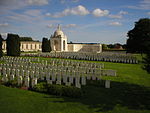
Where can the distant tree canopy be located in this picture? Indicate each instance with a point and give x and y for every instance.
(13, 45)
(116, 46)
(26, 39)
(46, 47)
(139, 37)
(1, 52)
(104, 47)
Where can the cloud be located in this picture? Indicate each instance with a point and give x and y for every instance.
(119, 15)
(33, 12)
(148, 13)
(79, 10)
(7, 5)
(64, 26)
(100, 13)
(115, 24)
(66, 1)
(4, 35)
(123, 12)
(144, 5)
(4, 24)
(70, 26)
(30, 17)
(37, 2)
(51, 26)
(115, 16)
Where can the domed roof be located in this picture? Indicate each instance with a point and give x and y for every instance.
(58, 32)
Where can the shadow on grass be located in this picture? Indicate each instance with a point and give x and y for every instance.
(124, 94)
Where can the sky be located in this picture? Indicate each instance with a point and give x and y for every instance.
(86, 21)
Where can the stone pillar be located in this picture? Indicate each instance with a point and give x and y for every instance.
(34, 82)
(12, 77)
(77, 82)
(83, 80)
(5, 78)
(27, 80)
(107, 84)
(19, 79)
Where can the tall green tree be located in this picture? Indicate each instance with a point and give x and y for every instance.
(1, 43)
(13, 45)
(46, 45)
(139, 37)
(146, 62)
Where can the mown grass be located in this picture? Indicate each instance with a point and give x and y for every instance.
(129, 93)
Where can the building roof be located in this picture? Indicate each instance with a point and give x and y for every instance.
(59, 32)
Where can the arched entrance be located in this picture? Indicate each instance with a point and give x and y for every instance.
(64, 45)
(55, 45)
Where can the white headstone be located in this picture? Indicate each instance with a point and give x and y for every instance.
(107, 84)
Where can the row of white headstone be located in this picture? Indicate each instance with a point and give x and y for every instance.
(38, 71)
(81, 68)
(32, 80)
(53, 62)
(120, 58)
(66, 70)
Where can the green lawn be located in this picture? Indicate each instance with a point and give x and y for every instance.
(129, 93)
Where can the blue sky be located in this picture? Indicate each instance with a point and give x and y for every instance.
(96, 21)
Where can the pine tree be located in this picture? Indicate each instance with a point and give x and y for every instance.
(13, 45)
(46, 45)
(1, 43)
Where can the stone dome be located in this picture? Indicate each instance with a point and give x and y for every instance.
(58, 32)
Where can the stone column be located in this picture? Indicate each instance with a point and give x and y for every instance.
(107, 84)
(27, 80)
(19, 79)
(34, 82)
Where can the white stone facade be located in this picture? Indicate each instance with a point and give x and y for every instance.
(26, 46)
(87, 47)
(59, 43)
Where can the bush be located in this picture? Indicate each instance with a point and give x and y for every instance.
(71, 91)
(12, 83)
(59, 90)
(41, 87)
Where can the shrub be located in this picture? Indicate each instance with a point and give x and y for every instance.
(40, 87)
(59, 90)
(72, 91)
(55, 89)
(12, 83)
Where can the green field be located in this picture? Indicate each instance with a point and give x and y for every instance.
(129, 93)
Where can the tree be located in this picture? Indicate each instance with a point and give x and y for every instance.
(26, 39)
(46, 45)
(139, 37)
(146, 62)
(104, 47)
(13, 45)
(1, 43)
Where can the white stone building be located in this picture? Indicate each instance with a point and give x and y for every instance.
(59, 44)
(26, 46)
(59, 41)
